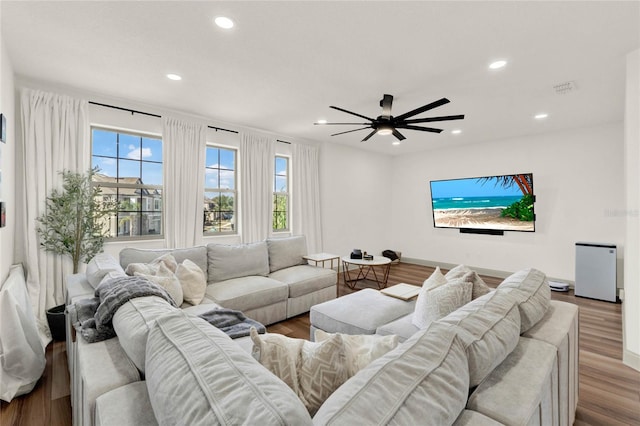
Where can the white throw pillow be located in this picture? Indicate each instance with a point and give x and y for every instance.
(420, 313)
(99, 266)
(192, 281)
(442, 300)
(151, 268)
(361, 349)
(167, 280)
(313, 370)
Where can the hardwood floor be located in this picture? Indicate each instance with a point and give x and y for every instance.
(609, 390)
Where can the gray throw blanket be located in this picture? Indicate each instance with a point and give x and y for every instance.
(231, 322)
(92, 318)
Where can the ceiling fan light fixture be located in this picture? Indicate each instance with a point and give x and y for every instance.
(384, 130)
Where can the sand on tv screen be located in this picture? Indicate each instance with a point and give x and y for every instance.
(502, 203)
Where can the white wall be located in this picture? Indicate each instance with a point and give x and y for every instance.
(578, 183)
(631, 304)
(355, 199)
(7, 162)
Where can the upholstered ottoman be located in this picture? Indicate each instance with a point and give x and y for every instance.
(358, 313)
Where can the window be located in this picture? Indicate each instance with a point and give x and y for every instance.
(131, 173)
(281, 195)
(220, 191)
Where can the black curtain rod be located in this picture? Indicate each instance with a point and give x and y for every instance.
(221, 129)
(132, 111)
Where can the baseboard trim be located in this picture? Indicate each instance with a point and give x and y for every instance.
(479, 270)
(631, 359)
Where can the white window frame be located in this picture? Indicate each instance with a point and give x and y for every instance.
(286, 194)
(234, 192)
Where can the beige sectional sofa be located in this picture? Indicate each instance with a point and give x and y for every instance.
(268, 281)
(508, 357)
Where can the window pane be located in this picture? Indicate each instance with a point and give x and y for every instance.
(227, 179)
(227, 159)
(104, 143)
(107, 166)
(151, 223)
(129, 171)
(211, 178)
(212, 157)
(281, 165)
(152, 149)
(281, 184)
(151, 173)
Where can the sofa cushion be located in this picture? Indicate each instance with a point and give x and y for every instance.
(211, 380)
(127, 405)
(423, 380)
(421, 315)
(442, 300)
(286, 252)
(192, 280)
(473, 418)
(361, 349)
(480, 288)
(234, 261)
(313, 370)
(99, 266)
(530, 289)
(305, 279)
(197, 255)
(522, 390)
(402, 327)
(247, 293)
(132, 322)
(489, 327)
(354, 313)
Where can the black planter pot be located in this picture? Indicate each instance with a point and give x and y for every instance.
(55, 318)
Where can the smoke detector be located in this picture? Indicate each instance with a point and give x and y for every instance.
(564, 88)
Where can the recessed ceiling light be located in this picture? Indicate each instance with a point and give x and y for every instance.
(322, 121)
(174, 77)
(224, 22)
(456, 132)
(395, 143)
(541, 116)
(497, 64)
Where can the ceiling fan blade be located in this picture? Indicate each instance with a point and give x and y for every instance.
(422, 109)
(423, 129)
(349, 131)
(431, 119)
(348, 124)
(369, 135)
(350, 112)
(398, 135)
(385, 103)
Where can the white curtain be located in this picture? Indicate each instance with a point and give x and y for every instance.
(184, 147)
(305, 198)
(55, 137)
(257, 157)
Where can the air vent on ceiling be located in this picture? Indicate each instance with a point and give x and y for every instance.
(564, 88)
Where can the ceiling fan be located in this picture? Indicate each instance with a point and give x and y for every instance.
(387, 124)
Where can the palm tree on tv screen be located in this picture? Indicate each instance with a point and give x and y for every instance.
(523, 208)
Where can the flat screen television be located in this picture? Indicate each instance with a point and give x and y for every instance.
(489, 204)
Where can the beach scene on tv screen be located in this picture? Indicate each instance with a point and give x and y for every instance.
(494, 202)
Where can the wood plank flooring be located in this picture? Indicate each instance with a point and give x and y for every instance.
(609, 390)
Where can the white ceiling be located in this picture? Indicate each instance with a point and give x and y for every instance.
(285, 62)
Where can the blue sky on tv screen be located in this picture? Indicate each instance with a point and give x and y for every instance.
(470, 187)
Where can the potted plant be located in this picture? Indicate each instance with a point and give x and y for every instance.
(75, 224)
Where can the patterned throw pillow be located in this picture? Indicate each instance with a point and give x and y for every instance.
(361, 349)
(480, 288)
(167, 280)
(442, 300)
(313, 370)
(420, 313)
